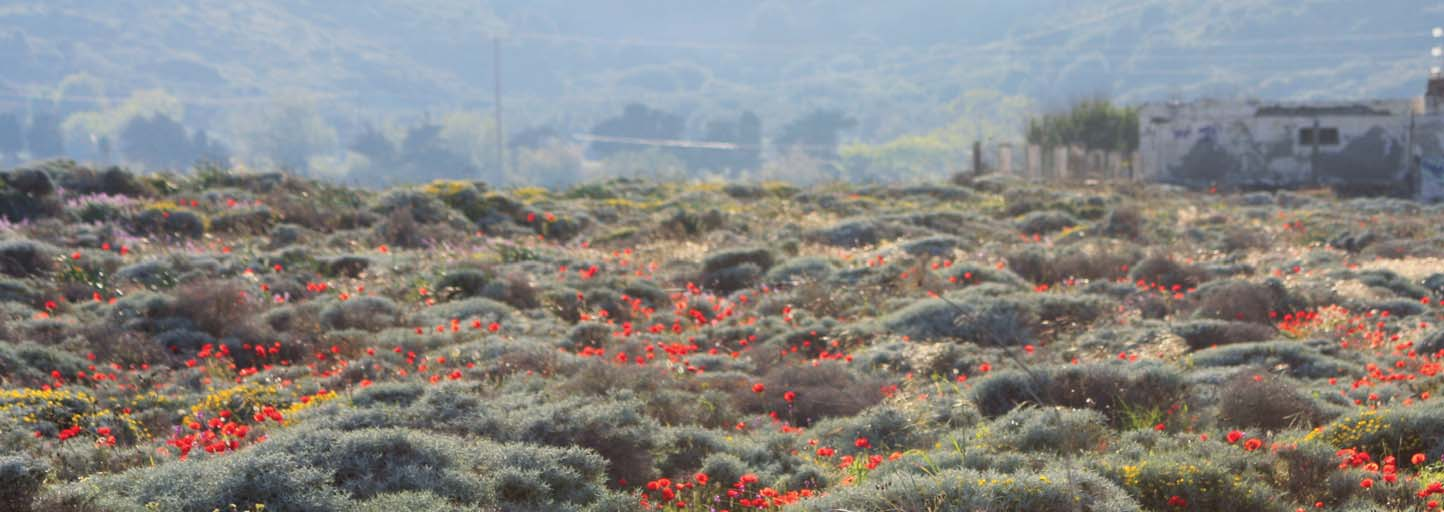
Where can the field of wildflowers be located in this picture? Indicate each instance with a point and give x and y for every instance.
(232, 341)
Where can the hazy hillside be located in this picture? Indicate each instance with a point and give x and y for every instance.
(435, 53)
(899, 68)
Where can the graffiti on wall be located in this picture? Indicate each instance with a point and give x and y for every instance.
(1361, 146)
(1431, 178)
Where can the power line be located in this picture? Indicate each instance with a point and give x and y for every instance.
(688, 144)
(669, 143)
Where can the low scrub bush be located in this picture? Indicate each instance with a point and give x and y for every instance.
(1298, 359)
(20, 480)
(1126, 393)
(370, 313)
(821, 391)
(1045, 222)
(1256, 399)
(1242, 301)
(1400, 430)
(987, 322)
(1166, 272)
(735, 269)
(1035, 429)
(1201, 334)
(967, 489)
(170, 221)
(804, 268)
(24, 258)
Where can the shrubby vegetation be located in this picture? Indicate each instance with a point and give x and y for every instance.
(232, 340)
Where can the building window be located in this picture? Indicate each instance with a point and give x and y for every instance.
(1326, 136)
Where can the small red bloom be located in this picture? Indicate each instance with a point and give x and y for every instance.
(1234, 436)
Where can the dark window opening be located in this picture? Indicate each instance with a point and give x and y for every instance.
(1325, 136)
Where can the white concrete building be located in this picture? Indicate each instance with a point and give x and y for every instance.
(1394, 147)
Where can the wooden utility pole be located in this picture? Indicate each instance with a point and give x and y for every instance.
(500, 132)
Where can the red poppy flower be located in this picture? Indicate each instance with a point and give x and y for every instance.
(1234, 436)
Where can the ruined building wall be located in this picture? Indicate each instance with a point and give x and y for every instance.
(1250, 144)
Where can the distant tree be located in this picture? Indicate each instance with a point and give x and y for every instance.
(44, 138)
(425, 156)
(1093, 124)
(12, 138)
(637, 121)
(374, 145)
(816, 133)
(536, 137)
(157, 141)
(287, 133)
(208, 150)
(745, 132)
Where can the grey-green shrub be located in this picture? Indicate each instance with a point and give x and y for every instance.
(967, 489)
(20, 480)
(370, 312)
(24, 258)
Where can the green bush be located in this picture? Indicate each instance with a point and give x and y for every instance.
(1165, 272)
(1045, 222)
(966, 489)
(1201, 334)
(20, 480)
(734, 269)
(801, 268)
(1259, 399)
(1299, 359)
(825, 390)
(997, 322)
(1059, 430)
(24, 258)
(173, 222)
(370, 312)
(1122, 391)
(1401, 430)
(1242, 301)
(346, 265)
(319, 469)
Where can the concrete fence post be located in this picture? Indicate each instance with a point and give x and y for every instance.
(1005, 159)
(1033, 159)
(1060, 163)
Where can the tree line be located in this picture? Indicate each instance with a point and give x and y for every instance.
(640, 141)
